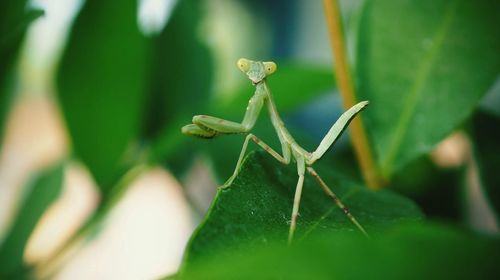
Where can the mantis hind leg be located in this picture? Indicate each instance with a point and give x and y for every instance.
(335, 199)
(297, 197)
(285, 159)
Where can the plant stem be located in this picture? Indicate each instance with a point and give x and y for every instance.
(344, 80)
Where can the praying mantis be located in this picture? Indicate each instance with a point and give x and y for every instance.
(257, 71)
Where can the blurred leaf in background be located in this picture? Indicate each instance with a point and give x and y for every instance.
(181, 83)
(423, 65)
(256, 209)
(281, 20)
(485, 133)
(42, 192)
(437, 190)
(292, 85)
(102, 85)
(15, 17)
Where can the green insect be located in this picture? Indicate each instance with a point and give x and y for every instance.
(257, 71)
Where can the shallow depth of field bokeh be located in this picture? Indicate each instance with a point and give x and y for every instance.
(97, 181)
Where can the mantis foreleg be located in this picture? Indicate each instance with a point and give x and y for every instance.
(217, 125)
(194, 130)
(336, 130)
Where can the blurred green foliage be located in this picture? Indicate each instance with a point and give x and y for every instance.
(40, 194)
(102, 81)
(181, 85)
(177, 87)
(14, 20)
(485, 131)
(423, 65)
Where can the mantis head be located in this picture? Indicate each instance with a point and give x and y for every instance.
(256, 70)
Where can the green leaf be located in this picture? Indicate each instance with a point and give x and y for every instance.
(102, 84)
(16, 18)
(491, 101)
(182, 76)
(438, 191)
(256, 208)
(42, 192)
(181, 85)
(423, 65)
(486, 138)
(14, 21)
(424, 251)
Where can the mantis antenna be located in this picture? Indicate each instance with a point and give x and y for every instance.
(257, 71)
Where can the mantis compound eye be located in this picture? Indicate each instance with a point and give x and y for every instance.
(270, 67)
(243, 64)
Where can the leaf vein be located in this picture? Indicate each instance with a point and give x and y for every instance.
(416, 91)
(330, 211)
